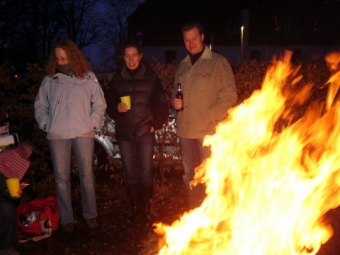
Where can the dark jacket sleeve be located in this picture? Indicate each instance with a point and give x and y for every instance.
(159, 105)
(112, 100)
(3, 188)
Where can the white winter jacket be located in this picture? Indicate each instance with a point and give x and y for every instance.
(67, 107)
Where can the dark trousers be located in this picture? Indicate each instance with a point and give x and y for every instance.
(137, 157)
(8, 225)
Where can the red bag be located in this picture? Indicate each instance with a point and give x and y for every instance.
(38, 217)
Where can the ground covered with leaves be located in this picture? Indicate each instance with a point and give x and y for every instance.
(115, 236)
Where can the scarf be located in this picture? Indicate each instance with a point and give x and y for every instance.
(65, 69)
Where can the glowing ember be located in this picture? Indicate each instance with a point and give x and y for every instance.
(266, 191)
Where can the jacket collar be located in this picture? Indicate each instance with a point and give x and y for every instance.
(205, 55)
(138, 74)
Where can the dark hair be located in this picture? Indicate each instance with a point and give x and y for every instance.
(130, 44)
(78, 62)
(192, 24)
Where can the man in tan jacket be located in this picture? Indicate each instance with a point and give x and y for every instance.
(209, 91)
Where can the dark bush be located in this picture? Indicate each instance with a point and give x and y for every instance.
(18, 91)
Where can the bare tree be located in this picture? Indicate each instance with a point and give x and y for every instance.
(30, 27)
(80, 20)
(11, 15)
(6, 22)
(114, 28)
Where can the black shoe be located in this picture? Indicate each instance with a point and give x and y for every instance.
(146, 220)
(132, 217)
(133, 194)
(146, 194)
(67, 228)
(91, 223)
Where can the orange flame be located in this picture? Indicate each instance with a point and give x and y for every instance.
(266, 191)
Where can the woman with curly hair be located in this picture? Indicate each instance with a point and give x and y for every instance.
(69, 107)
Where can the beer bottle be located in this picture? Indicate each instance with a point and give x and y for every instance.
(7, 123)
(179, 95)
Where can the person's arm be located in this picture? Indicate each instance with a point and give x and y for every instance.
(159, 105)
(98, 105)
(3, 188)
(41, 105)
(112, 101)
(227, 93)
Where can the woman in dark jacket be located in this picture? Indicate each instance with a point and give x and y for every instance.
(135, 127)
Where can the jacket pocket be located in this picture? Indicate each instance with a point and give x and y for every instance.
(203, 81)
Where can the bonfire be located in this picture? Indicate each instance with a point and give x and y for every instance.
(271, 176)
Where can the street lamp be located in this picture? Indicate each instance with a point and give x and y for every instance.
(242, 28)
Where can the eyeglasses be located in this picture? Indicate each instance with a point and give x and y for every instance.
(61, 59)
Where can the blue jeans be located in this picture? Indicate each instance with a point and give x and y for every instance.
(137, 158)
(61, 154)
(193, 154)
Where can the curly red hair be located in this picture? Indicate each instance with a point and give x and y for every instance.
(76, 58)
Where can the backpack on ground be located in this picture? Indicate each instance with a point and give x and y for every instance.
(37, 219)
